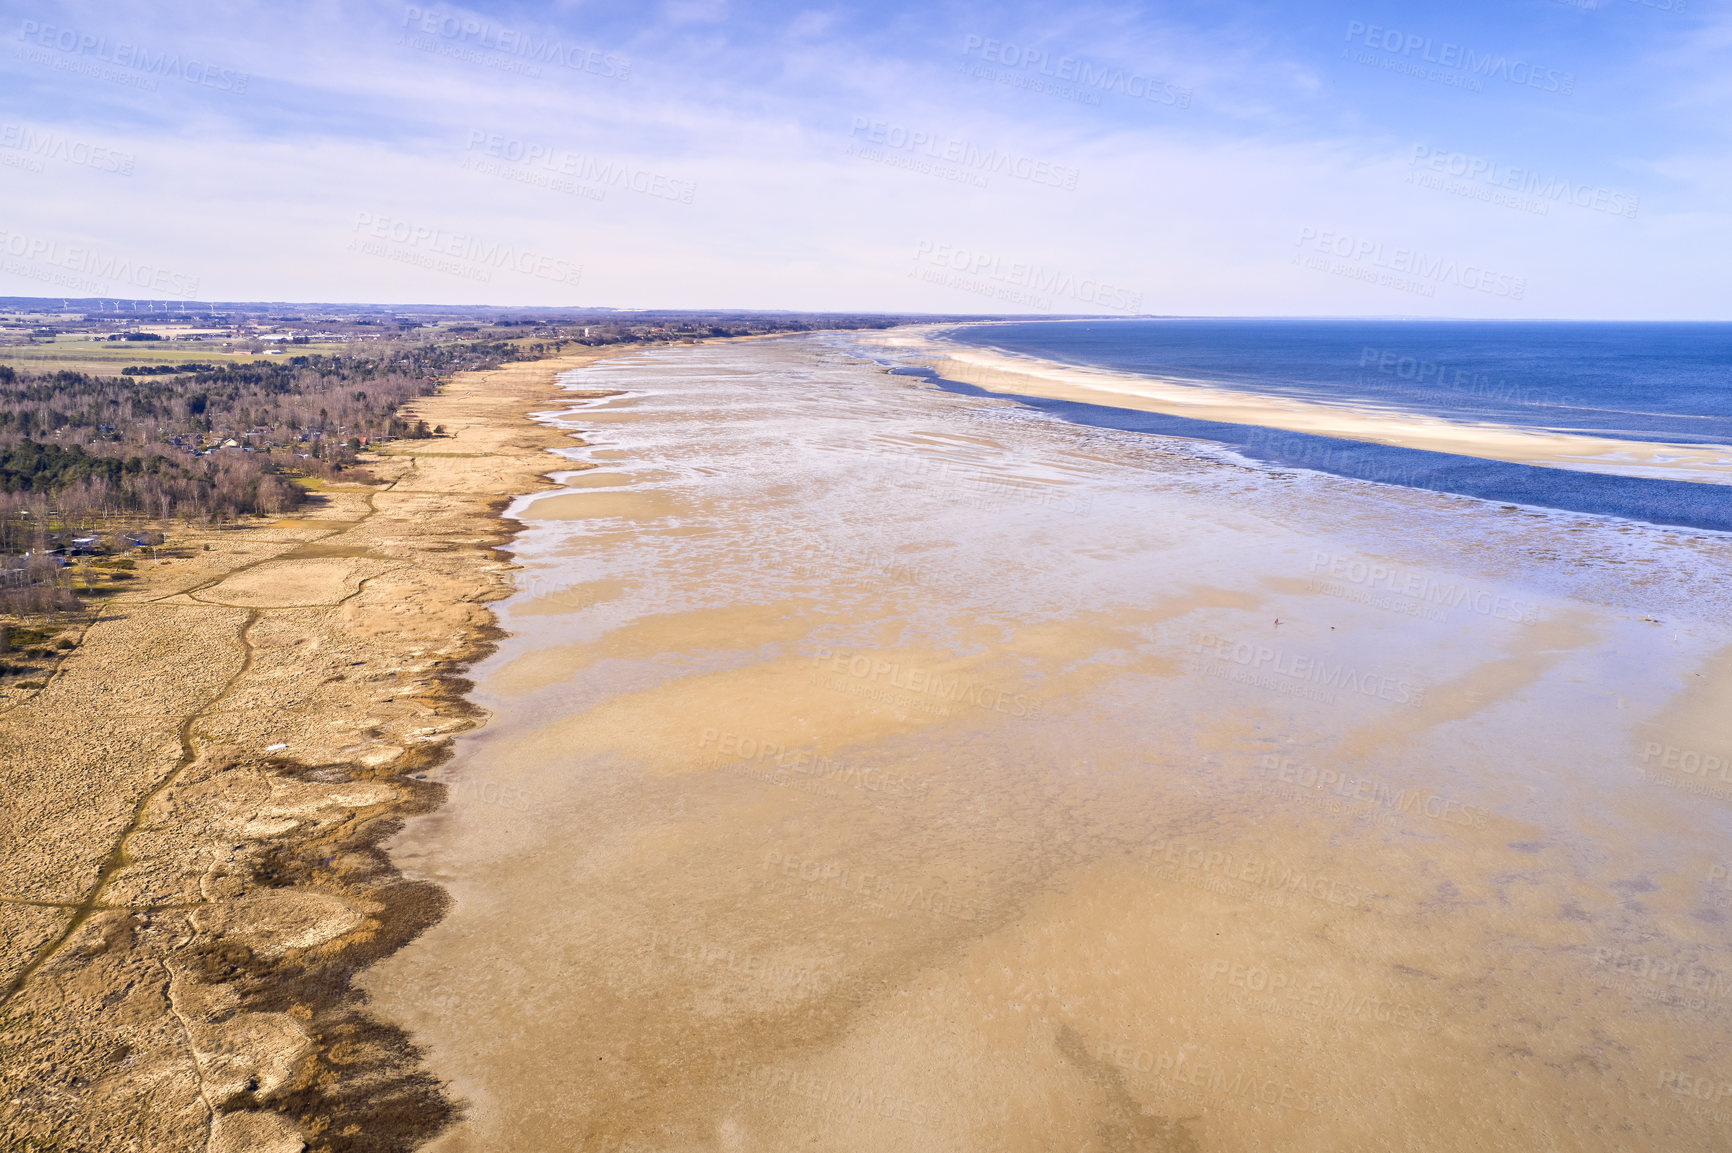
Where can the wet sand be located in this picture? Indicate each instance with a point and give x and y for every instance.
(1018, 375)
(875, 768)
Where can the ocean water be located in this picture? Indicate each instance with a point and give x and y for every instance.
(1666, 383)
(1638, 381)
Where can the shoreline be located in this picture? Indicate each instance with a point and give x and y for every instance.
(1101, 770)
(1012, 375)
(211, 775)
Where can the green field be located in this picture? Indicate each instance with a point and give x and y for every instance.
(108, 357)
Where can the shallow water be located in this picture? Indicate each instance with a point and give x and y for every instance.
(874, 767)
(1624, 493)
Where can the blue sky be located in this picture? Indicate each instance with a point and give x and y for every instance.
(1529, 159)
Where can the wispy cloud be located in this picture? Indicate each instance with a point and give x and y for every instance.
(1199, 139)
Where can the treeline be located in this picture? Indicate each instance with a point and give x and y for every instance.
(628, 332)
(165, 369)
(213, 442)
(81, 453)
(31, 467)
(305, 400)
(73, 485)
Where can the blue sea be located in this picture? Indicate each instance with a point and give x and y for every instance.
(1662, 382)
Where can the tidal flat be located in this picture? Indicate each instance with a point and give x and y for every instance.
(871, 767)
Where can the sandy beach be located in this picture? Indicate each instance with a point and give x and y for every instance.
(195, 799)
(1018, 375)
(880, 578)
(875, 768)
